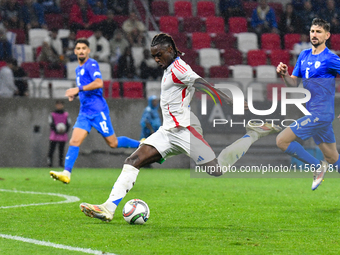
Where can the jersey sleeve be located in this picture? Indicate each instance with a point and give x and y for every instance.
(334, 63)
(183, 74)
(297, 68)
(94, 71)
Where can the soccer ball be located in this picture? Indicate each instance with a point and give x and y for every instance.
(136, 211)
(61, 128)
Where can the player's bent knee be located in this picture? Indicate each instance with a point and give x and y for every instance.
(281, 144)
(331, 159)
(113, 144)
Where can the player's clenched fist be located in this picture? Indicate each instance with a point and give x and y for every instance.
(282, 69)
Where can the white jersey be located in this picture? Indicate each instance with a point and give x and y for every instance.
(176, 93)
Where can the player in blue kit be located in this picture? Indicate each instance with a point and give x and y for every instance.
(317, 68)
(94, 111)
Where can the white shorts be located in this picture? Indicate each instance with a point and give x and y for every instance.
(176, 141)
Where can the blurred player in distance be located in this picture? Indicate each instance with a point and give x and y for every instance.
(317, 68)
(94, 111)
(181, 131)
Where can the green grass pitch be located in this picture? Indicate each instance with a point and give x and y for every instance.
(188, 215)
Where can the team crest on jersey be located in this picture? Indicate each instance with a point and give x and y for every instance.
(82, 71)
(317, 64)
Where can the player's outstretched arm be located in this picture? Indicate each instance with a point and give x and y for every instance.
(290, 80)
(72, 92)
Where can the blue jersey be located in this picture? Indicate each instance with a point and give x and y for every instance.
(318, 74)
(92, 102)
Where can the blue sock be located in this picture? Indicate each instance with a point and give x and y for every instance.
(126, 142)
(297, 151)
(71, 157)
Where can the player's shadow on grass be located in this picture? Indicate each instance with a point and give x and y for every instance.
(334, 210)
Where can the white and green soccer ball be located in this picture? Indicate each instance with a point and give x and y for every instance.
(136, 211)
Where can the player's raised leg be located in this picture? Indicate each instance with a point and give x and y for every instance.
(145, 154)
(78, 136)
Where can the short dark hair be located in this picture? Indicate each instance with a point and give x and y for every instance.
(163, 38)
(82, 40)
(322, 23)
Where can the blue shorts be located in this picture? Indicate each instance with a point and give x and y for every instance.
(101, 122)
(310, 126)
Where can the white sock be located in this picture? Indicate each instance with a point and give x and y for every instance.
(122, 186)
(236, 150)
(67, 173)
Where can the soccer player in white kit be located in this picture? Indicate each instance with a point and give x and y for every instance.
(181, 131)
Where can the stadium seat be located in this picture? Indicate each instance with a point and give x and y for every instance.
(237, 25)
(53, 72)
(71, 70)
(63, 33)
(111, 89)
(256, 57)
(153, 88)
(54, 20)
(160, 8)
(192, 24)
(59, 87)
(209, 57)
(290, 40)
(138, 56)
(2, 64)
(36, 36)
(22, 53)
(168, 24)
(214, 25)
(183, 9)
(290, 69)
(278, 9)
(20, 36)
(190, 56)
(232, 57)
(133, 89)
(38, 88)
(219, 72)
(32, 69)
(270, 87)
(248, 8)
(200, 40)
(277, 56)
(242, 74)
(224, 41)
(105, 69)
(258, 90)
(84, 33)
(335, 42)
(198, 69)
(120, 19)
(206, 9)
(246, 41)
(270, 41)
(181, 40)
(266, 73)
(66, 6)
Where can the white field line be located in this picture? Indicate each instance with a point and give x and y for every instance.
(69, 199)
(54, 245)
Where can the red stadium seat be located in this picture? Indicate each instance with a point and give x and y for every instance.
(198, 69)
(224, 41)
(54, 20)
(232, 57)
(270, 87)
(277, 56)
(115, 89)
(168, 24)
(21, 36)
(290, 40)
(215, 25)
(53, 72)
(248, 8)
(270, 41)
(183, 9)
(256, 57)
(120, 19)
(32, 69)
(2, 64)
(133, 89)
(66, 6)
(160, 8)
(206, 9)
(192, 24)
(181, 40)
(218, 72)
(237, 25)
(84, 33)
(335, 42)
(190, 57)
(200, 40)
(290, 69)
